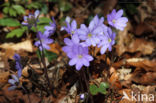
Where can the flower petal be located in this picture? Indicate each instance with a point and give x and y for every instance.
(37, 12)
(67, 41)
(74, 25)
(12, 87)
(15, 78)
(78, 65)
(119, 14)
(12, 81)
(73, 61)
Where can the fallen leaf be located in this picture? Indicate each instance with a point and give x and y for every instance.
(25, 45)
(4, 77)
(148, 78)
(114, 79)
(142, 63)
(55, 48)
(127, 43)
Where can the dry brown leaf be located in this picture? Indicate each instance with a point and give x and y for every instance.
(33, 98)
(127, 43)
(4, 77)
(114, 79)
(146, 47)
(148, 65)
(15, 95)
(148, 78)
(25, 71)
(143, 63)
(25, 45)
(141, 28)
(55, 47)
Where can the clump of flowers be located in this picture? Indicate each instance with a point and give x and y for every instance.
(96, 34)
(76, 52)
(31, 19)
(91, 34)
(116, 20)
(44, 41)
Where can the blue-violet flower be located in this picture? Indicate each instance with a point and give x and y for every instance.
(116, 20)
(70, 28)
(80, 57)
(76, 52)
(68, 49)
(50, 29)
(31, 20)
(107, 41)
(14, 82)
(91, 35)
(18, 64)
(44, 38)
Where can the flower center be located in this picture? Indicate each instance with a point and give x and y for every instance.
(72, 32)
(80, 56)
(114, 21)
(89, 35)
(109, 40)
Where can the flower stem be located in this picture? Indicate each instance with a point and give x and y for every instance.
(43, 61)
(86, 82)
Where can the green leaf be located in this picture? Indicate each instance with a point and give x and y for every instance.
(102, 90)
(104, 84)
(12, 12)
(50, 55)
(44, 9)
(93, 89)
(39, 27)
(34, 5)
(6, 10)
(9, 22)
(17, 32)
(5, 4)
(65, 6)
(19, 9)
(44, 20)
(102, 87)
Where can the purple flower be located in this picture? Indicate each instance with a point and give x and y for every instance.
(91, 35)
(107, 41)
(31, 20)
(50, 29)
(14, 82)
(71, 28)
(69, 45)
(45, 40)
(115, 19)
(76, 52)
(80, 57)
(82, 96)
(18, 64)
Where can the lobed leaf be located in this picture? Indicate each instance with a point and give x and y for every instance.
(9, 22)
